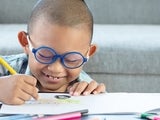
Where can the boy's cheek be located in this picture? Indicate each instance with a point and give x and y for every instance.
(34, 66)
(74, 73)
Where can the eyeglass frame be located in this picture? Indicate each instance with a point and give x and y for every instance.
(56, 56)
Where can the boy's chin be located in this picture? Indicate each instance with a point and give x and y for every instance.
(49, 88)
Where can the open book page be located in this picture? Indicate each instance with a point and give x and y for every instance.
(58, 103)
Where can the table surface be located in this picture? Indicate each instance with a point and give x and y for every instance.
(111, 117)
(85, 117)
(151, 100)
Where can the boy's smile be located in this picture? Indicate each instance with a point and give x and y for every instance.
(55, 77)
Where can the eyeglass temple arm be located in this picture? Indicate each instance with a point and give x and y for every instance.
(29, 43)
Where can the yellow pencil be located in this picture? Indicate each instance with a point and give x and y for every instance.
(7, 66)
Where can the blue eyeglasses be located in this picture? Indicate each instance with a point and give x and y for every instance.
(47, 55)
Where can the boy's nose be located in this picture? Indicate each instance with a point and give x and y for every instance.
(56, 66)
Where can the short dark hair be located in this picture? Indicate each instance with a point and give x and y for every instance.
(62, 12)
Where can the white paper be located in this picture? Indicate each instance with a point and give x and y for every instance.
(96, 104)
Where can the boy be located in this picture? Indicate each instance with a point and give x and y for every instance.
(57, 44)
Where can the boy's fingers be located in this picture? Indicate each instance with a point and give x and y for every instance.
(17, 101)
(19, 98)
(35, 94)
(31, 80)
(92, 85)
(31, 91)
(100, 89)
(30, 87)
(72, 88)
(24, 96)
(85, 88)
(79, 88)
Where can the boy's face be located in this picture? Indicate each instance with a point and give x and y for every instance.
(55, 77)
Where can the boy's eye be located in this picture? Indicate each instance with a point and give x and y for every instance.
(44, 56)
(72, 60)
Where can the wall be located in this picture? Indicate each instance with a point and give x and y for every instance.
(104, 11)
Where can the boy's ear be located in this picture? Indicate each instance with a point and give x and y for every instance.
(22, 37)
(92, 50)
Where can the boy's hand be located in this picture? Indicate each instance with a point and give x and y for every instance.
(84, 88)
(16, 89)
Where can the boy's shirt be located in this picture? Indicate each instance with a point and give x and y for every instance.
(19, 62)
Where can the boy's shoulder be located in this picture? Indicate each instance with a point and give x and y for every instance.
(19, 62)
(15, 56)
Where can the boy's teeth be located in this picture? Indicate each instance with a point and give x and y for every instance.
(52, 77)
